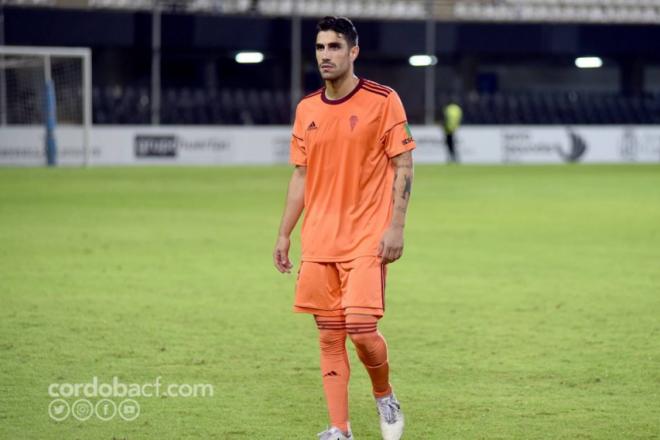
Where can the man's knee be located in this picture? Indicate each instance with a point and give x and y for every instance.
(329, 339)
(363, 330)
(365, 341)
(369, 343)
(332, 333)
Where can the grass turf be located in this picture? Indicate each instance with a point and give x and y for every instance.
(526, 306)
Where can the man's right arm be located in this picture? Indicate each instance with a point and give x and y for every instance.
(295, 202)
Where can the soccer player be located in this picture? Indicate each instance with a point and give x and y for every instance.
(351, 147)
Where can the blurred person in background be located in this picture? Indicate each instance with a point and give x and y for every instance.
(453, 114)
(352, 151)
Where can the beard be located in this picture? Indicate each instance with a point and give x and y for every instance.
(333, 74)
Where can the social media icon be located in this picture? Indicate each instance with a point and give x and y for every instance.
(105, 409)
(129, 410)
(82, 409)
(58, 410)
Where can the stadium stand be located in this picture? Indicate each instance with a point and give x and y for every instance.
(589, 11)
(569, 107)
(586, 11)
(130, 105)
(200, 83)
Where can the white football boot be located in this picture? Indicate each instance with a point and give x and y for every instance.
(391, 417)
(334, 434)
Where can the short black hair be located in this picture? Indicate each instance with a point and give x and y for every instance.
(341, 25)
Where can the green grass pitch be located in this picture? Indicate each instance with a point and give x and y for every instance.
(526, 305)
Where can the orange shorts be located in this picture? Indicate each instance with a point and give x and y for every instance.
(337, 289)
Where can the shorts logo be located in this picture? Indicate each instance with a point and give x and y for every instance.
(353, 121)
(312, 126)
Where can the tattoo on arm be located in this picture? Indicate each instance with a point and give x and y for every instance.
(407, 188)
(396, 176)
(403, 170)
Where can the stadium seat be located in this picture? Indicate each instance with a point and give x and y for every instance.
(131, 105)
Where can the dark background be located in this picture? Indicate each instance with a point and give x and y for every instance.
(198, 51)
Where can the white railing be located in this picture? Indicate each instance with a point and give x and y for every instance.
(584, 11)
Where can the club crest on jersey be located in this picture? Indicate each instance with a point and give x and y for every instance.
(353, 121)
(312, 126)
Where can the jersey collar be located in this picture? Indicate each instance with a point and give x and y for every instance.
(345, 98)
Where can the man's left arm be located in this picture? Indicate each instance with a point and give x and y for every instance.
(391, 245)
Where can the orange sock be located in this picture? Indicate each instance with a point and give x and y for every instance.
(371, 348)
(335, 368)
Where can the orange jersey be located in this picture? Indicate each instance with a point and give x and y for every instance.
(346, 145)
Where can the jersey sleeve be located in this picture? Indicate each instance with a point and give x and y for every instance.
(395, 132)
(297, 155)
